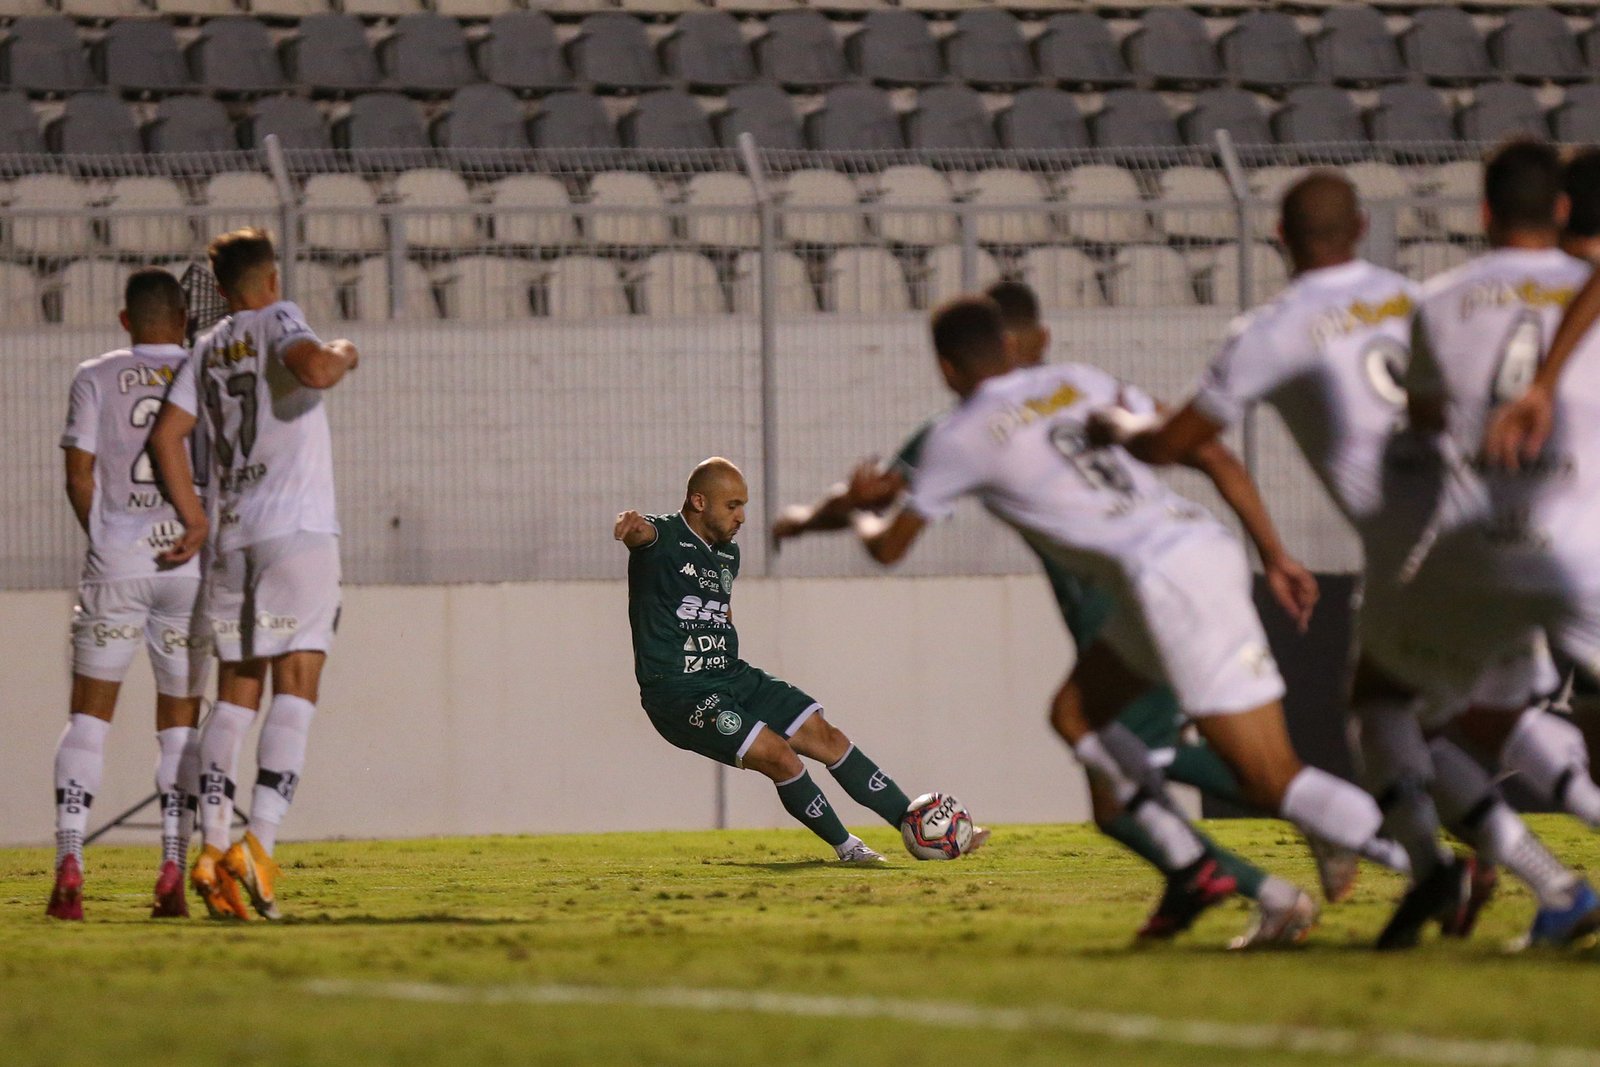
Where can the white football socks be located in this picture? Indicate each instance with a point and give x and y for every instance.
(80, 762)
(1334, 810)
(220, 738)
(281, 756)
(1179, 844)
(177, 820)
(1550, 754)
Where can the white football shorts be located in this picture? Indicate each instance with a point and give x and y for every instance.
(112, 616)
(274, 597)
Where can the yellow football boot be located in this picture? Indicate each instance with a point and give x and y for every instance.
(216, 887)
(248, 862)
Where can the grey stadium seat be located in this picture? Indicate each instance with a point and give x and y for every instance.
(1234, 110)
(1410, 121)
(235, 56)
(1265, 50)
(707, 52)
(854, 118)
(42, 54)
(764, 111)
(1536, 44)
(521, 53)
(895, 48)
(988, 50)
(1577, 120)
(94, 124)
(1500, 110)
(1445, 47)
(427, 55)
(1591, 45)
(1356, 48)
(1318, 115)
(667, 118)
(330, 55)
(19, 126)
(381, 122)
(1042, 119)
(612, 52)
(1171, 48)
(1076, 52)
(191, 124)
(482, 116)
(1133, 118)
(572, 120)
(801, 53)
(950, 116)
(142, 56)
(296, 121)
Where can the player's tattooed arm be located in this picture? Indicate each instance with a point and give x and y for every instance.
(1519, 429)
(634, 530)
(80, 484)
(169, 447)
(316, 365)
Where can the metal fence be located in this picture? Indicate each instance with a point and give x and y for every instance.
(551, 337)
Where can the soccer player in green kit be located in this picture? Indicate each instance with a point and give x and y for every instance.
(702, 697)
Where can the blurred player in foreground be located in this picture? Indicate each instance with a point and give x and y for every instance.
(702, 697)
(272, 592)
(126, 595)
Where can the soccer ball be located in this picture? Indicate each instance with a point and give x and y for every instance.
(936, 827)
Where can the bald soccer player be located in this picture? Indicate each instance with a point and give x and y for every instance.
(702, 697)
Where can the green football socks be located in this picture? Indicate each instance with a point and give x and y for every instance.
(802, 799)
(870, 787)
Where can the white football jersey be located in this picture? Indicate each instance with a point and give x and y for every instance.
(1328, 354)
(113, 405)
(1018, 444)
(269, 433)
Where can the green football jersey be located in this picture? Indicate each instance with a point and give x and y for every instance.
(680, 592)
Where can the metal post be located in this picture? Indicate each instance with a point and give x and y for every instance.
(768, 308)
(395, 263)
(969, 248)
(1239, 189)
(288, 220)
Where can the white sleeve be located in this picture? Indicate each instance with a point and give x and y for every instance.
(1255, 361)
(183, 393)
(287, 327)
(83, 414)
(949, 469)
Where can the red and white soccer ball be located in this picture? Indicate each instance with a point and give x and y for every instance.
(936, 827)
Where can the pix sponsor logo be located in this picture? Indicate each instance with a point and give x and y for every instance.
(141, 376)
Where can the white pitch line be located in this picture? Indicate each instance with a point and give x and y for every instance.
(1414, 1048)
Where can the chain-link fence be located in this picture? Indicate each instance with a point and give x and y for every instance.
(551, 337)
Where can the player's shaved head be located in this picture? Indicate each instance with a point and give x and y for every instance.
(240, 259)
(713, 502)
(969, 336)
(1320, 219)
(152, 298)
(1019, 306)
(1522, 188)
(714, 475)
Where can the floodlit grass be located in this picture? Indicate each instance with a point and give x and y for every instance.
(1039, 920)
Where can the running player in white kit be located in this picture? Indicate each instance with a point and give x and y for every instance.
(125, 596)
(272, 593)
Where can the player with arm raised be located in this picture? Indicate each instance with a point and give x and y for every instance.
(272, 598)
(702, 697)
(126, 595)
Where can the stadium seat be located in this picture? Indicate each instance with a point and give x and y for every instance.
(482, 116)
(1500, 110)
(1411, 123)
(1015, 204)
(1317, 115)
(1076, 52)
(296, 121)
(330, 55)
(766, 113)
(144, 235)
(572, 119)
(381, 122)
(19, 296)
(1355, 47)
(42, 55)
(727, 219)
(1236, 111)
(1444, 47)
(792, 290)
(341, 214)
(854, 118)
(677, 284)
(427, 55)
(571, 9)
(521, 52)
(1537, 44)
(1133, 119)
(1042, 119)
(19, 126)
(1265, 50)
(631, 227)
(942, 276)
(486, 288)
(532, 211)
(19, 9)
(801, 53)
(1268, 274)
(612, 52)
(1267, 186)
(1460, 185)
(287, 10)
(237, 199)
(318, 289)
(1148, 276)
(894, 48)
(914, 185)
(64, 230)
(1103, 204)
(1064, 278)
(192, 124)
(583, 287)
(988, 50)
(1388, 185)
(88, 292)
(667, 119)
(141, 57)
(950, 117)
(1577, 119)
(101, 11)
(818, 209)
(381, 9)
(476, 10)
(371, 297)
(1196, 204)
(234, 56)
(94, 124)
(1421, 260)
(707, 52)
(454, 226)
(192, 10)
(1171, 49)
(761, 8)
(1591, 45)
(865, 281)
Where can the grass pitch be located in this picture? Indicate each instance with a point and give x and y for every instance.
(745, 948)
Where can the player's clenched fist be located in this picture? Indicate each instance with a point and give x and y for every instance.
(633, 529)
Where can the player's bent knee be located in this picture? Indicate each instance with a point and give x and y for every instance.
(298, 674)
(769, 754)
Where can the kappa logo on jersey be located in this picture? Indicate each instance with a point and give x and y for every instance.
(728, 723)
(143, 377)
(689, 569)
(817, 806)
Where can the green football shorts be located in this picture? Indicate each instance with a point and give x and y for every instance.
(721, 719)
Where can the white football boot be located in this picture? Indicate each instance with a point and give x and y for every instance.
(1271, 926)
(858, 853)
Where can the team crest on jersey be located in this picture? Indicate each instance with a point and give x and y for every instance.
(728, 723)
(727, 580)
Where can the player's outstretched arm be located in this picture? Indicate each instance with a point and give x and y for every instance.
(888, 540)
(169, 448)
(870, 488)
(80, 484)
(1518, 429)
(316, 365)
(634, 530)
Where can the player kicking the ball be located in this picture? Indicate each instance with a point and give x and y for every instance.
(702, 697)
(272, 595)
(125, 594)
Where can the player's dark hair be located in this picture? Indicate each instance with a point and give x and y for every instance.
(1019, 307)
(236, 253)
(969, 333)
(150, 294)
(1580, 179)
(1321, 212)
(1521, 184)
